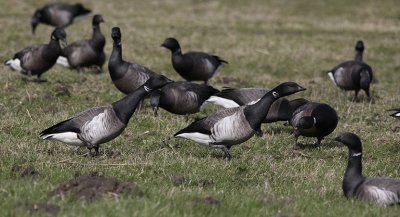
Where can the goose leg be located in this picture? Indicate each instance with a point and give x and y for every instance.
(96, 150)
(355, 99)
(259, 132)
(187, 117)
(155, 111)
(224, 148)
(39, 80)
(296, 137)
(318, 143)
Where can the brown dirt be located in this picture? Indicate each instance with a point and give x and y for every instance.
(91, 187)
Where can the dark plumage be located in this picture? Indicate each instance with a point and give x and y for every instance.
(58, 14)
(182, 98)
(396, 112)
(313, 120)
(126, 76)
(381, 190)
(86, 53)
(37, 59)
(236, 125)
(101, 124)
(192, 66)
(229, 97)
(354, 74)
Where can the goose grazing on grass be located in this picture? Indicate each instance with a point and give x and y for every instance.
(396, 112)
(126, 76)
(101, 124)
(381, 190)
(229, 97)
(313, 120)
(86, 53)
(37, 59)
(58, 14)
(354, 74)
(192, 66)
(236, 125)
(182, 98)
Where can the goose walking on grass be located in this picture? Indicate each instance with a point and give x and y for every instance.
(192, 66)
(396, 112)
(58, 15)
(354, 74)
(126, 76)
(313, 120)
(182, 98)
(37, 59)
(235, 125)
(86, 53)
(101, 124)
(381, 190)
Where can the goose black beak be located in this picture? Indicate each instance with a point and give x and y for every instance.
(338, 139)
(34, 24)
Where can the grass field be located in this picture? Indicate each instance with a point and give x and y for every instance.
(266, 42)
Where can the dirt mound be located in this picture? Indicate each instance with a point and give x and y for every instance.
(93, 186)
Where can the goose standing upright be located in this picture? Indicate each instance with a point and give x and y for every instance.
(236, 125)
(313, 120)
(58, 14)
(182, 98)
(86, 53)
(101, 124)
(37, 59)
(354, 74)
(126, 76)
(381, 190)
(192, 66)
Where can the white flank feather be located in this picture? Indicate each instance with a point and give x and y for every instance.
(70, 138)
(63, 61)
(253, 102)
(397, 114)
(330, 74)
(15, 64)
(226, 103)
(197, 137)
(382, 196)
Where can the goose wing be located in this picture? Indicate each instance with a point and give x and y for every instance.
(381, 190)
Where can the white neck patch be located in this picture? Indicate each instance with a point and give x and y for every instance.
(275, 94)
(356, 154)
(315, 120)
(52, 37)
(147, 89)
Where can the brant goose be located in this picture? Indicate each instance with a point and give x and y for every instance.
(233, 126)
(126, 76)
(192, 66)
(396, 113)
(353, 74)
(381, 190)
(86, 53)
(37, 59)
(101, 124)
(313, 120)
(182, 97)
(229, 97)
(58, 14)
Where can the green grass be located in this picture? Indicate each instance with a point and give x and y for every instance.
(266, 43)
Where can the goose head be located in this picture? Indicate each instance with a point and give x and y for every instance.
(116, 34)
(156, 82)
(286, 88)
(359, 46)
(171, 44)
(60, 35)
(97, 19)
(351, 140)
(36, 18)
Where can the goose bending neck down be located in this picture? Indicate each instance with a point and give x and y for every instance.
(101, 124)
